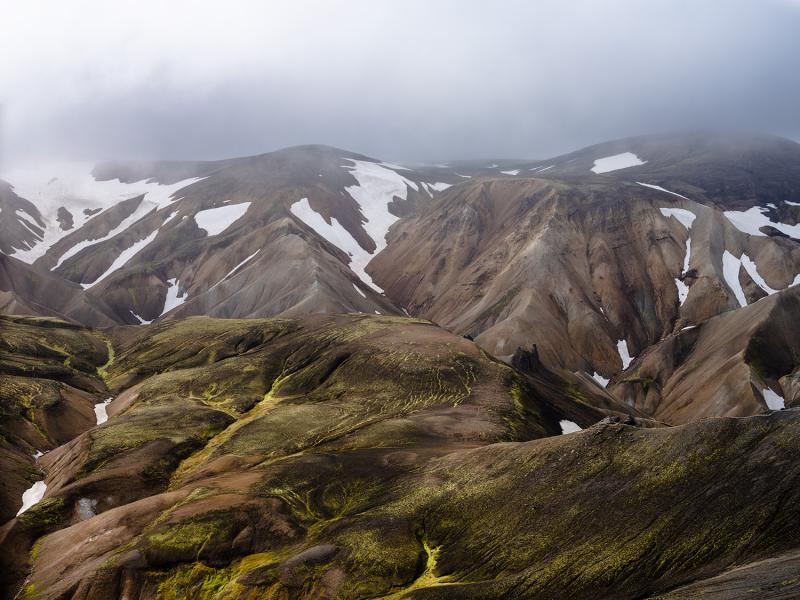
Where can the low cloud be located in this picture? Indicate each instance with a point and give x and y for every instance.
(415, 80)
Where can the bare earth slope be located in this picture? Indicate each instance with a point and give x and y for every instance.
(594, 268)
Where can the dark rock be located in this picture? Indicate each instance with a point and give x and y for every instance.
(526, 360)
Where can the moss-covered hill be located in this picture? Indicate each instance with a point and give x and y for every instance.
(49, 383)
(361, 456)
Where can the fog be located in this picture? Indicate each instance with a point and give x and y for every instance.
(419, 80)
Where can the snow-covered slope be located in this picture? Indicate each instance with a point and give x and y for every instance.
(67, 196)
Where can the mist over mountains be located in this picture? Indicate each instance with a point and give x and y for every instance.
(430, 300)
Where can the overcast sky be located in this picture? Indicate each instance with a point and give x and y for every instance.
(401, 80)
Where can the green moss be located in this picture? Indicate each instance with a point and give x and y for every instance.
(44, 514)
(197, 581)
(102, 370)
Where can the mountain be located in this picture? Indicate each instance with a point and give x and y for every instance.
(28, 290)
(201, 398)
(284, 233)
(582, 380)
(594, 268)
(374, 456)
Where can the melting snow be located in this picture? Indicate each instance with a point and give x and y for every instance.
(514, 172)
(142, 210)
(100, 411)
(32, 496)
(173, 300)
(774, 401)
(683, 291)
(616, 162)
(216, 220)
(752, 270)
(441, 186)
(72, 186)
(569, 426)
(622, 349)
(661, 189)
(140, 319)
(123, 258)
(377, 187)
(730, 272)
(685, 217)
(336, 235)
(600, 379)
(750, 220)
(236, 268)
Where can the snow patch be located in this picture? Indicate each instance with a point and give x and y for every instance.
(513, 172)
(173, 299)
(661, 189)
(600, 379)
(336, 235)
(123, 258)
(752, 270)
(376, 189)
(730, 272)
(140, 319)
(750, 220)
(569, 426)
(236, 268)
(100, 411)
(216, 220)
(72, 186)
(683, 291)
(363, 295)
(791, 203)
(622, 349)
(684, 217)
(441, 186)
(32, 496)
(616, 162)
(773, 400)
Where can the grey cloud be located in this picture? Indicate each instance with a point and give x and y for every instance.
(415, 80)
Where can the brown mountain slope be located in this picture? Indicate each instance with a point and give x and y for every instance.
(26, 290)
(738, 363)
(594, 268)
